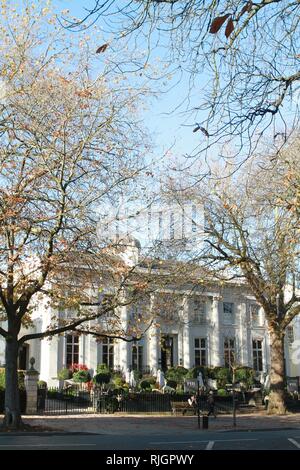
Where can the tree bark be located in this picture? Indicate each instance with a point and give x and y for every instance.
(12, 412)
(277, 374)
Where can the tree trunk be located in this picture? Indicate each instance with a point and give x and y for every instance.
(12, 412)
(277, 374)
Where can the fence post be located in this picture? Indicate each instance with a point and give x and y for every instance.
(31, 380)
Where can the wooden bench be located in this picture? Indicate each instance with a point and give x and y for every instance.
(182, 408)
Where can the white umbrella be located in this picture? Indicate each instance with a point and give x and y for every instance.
(127, 376)
(161, 378)
(200, 380)
(132, 381)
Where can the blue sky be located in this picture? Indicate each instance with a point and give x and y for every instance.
(170, 126)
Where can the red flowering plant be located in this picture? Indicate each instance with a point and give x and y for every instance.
(76, 367)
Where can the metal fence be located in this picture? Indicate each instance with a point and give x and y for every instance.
(80, 400)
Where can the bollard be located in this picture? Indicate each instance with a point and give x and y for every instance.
(204, 422)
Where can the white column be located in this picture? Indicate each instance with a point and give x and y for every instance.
(215, 341)
(123, 346)
(186, 336)
(153, 347)
(49, 364)
(91, 355)
(245, 345)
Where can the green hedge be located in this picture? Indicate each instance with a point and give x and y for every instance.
(21, 377)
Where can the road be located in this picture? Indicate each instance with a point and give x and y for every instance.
(210, 441)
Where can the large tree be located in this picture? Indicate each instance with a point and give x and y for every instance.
(251, 234)
(242, 58)
(69, 142)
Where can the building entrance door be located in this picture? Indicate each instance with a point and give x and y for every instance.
(23, 359)
(167, 352)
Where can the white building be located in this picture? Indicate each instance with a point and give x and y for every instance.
(210, 325)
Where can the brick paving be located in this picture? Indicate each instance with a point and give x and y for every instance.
(146, 424)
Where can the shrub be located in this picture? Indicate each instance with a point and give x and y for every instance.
(194, 372)
(223, 376)
(145, 384)
(245, 375)
(2, 378)
(102, 378)
(176, 373)
(172, 383)
(222, 392)
(118, 381)
(82, 376)
(42, 384)
(150, 378)
(21, 377)
(64, 374)
(102, 369)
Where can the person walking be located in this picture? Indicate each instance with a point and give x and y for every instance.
(211, 404)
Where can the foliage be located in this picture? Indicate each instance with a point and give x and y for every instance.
(222, 392)
(82, 376)
(176, 373)
(21, 378)
(245, 375)
(42, 384)
(194, 372)
(172, 384)
(223, 376)
(145, 385)
(118, 381)
(102, 369)
(71, 142)
(150, 378)
(76, 367)
(2, 378)
(102, 378)
(64, 374)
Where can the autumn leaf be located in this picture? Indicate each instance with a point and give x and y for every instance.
(218, 23)
(229, 28)
(102, 48)
(246, 8)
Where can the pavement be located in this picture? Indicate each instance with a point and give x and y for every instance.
(117, 424)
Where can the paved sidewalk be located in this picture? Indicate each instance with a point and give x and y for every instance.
(154, 425)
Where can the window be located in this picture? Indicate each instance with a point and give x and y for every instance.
(257, 355)
(255, 315)
(199, 313)
(72, 356)
(228, 313)
(200, 351)
(137, 357)
(229, 351)
(108, 352)
(290, 334)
